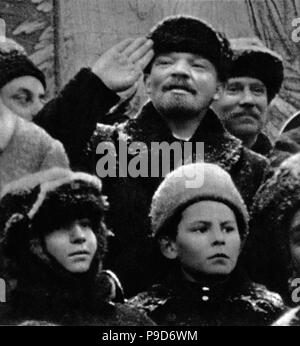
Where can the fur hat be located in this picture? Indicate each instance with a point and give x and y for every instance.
(192, 183)
(39, 203)
(14, 63)
(252, 58)
(190, 34)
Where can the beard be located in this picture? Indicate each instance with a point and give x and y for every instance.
(177, 107)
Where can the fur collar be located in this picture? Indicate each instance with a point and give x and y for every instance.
(219, 146)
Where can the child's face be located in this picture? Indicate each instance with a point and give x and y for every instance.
(208, 240)
(295, 241)
(73, 246)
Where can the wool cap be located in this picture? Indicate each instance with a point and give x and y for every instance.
(189, 34)
(252, 58)
(14, 63)
(42, 202)
(192, 183)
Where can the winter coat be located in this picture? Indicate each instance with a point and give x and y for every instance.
(268, 246)
(131, 254)
(29, 150)
(286, 145)
(235, 302)
(52, 295)
(263, 145)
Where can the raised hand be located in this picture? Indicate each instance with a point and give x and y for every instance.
(121, 66)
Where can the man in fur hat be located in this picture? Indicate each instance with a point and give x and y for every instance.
(184, 61)
(22, 83)
(255, 77)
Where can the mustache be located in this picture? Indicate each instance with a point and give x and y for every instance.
(179, 83)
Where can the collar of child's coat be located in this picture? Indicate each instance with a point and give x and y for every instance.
(219, 146)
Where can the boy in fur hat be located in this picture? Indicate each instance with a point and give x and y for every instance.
(183, 62)
(254, 79)
(53, 244)
(202, 229)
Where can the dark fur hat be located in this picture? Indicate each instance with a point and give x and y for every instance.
(14, 63)
(190, 34)
(252, 58)
(39, 203)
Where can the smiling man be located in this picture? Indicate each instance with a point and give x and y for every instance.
(255, 78)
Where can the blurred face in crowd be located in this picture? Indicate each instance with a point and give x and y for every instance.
(73, 246)
(207, 241)
(295, 241)
(181, 85)
(25, 96)
(242, 106)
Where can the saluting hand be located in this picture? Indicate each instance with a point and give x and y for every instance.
(121, 66)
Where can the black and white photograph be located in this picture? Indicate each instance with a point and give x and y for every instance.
(149, 166)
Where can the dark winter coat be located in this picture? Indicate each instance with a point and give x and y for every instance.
(71, 119)
(236, 301)
(286, 145)
(263, 145)
(267, 249)
(53, 295)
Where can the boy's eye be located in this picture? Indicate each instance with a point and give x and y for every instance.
(202, 229)
(85, 223)
(197, 65)
(229, 229)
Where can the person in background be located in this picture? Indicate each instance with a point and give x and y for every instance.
(202, 228)
(22, 83)
(288, 141)
(254, 79)
(53, 243)
(273, 250)
(24, 147)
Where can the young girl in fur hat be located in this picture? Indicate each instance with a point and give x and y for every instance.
(201, 224)
(53, 243)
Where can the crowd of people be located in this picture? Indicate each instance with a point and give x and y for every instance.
(211, 240)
